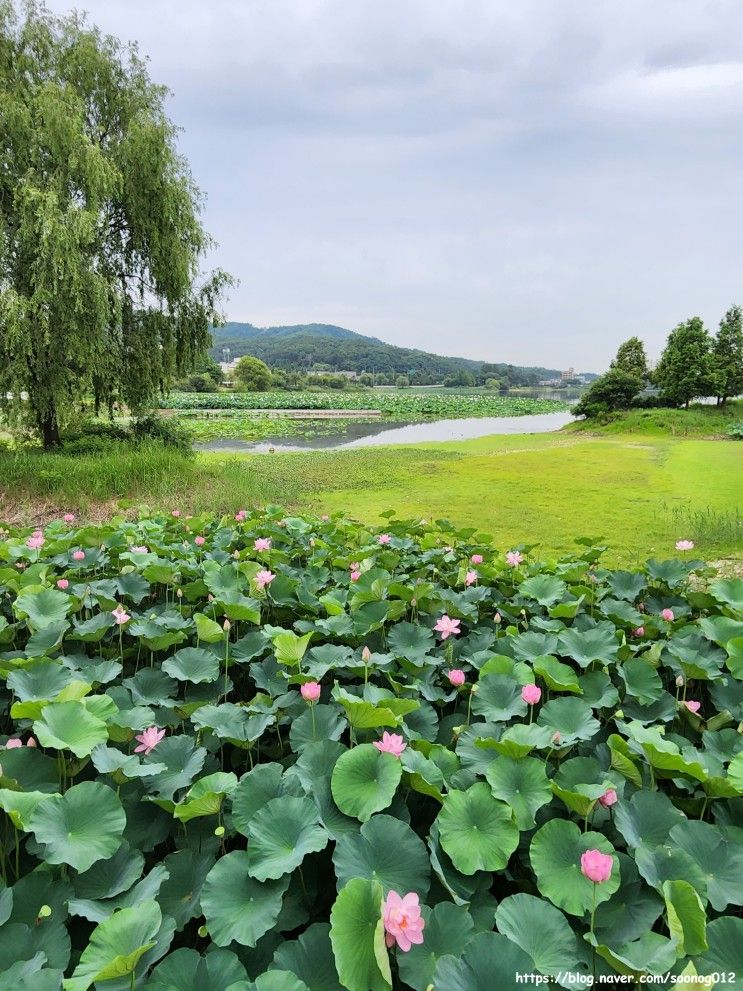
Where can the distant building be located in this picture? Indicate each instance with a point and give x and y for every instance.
(567, 375)
(352, 376)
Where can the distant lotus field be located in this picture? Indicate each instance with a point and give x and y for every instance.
(401, 403)
(292, 753)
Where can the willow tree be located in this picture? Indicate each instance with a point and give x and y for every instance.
(102, 297)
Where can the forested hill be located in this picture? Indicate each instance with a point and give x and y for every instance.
(304, 346)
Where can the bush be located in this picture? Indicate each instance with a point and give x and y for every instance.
(169, 433)
(93, 437)
(735, 430)
(616, 390)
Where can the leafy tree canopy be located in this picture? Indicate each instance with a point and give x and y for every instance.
(615, 390)
(253, 374)
(727, 351)
(631, 358)
(101, 240)
(686, 369)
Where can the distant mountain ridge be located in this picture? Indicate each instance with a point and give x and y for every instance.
(300, 347)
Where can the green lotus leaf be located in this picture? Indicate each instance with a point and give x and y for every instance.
(720, 857)
(647, 818)
(19, 805)
(328, 724)
(179, 892)
(116, 946)
(364, 781)
(357, 937)
(555, 855)
(477, 831)
(273, 980)
(489, 961)
(236, 906)
(546, 589)
(281, 834)
(289, 648)
(598, 643)
(183, 761)
(540, 929)
(532, 644)
(665, 863)
(580, 782)
(80, 827)
(522, 784)
(498, 698)
(641, 681)
(206, 629)
(558, 676)
(572, 718)
(311, 958)
(313, 771)
(448, 929)
(206, 796)
(110, 877)
(729, 591)
(410, 640)
(687, 920)
(42, 606)
(631, 911)
(70, 726)
(518, 740)
(385, 850)
(254, 790)
(187, 970)
(724, 953)
(192, 664)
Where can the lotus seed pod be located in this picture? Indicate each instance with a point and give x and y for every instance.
(474, 689)
(219, 831)
(45, 911)
(203, 932)
(619, 714)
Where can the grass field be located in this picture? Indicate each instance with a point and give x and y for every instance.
(640, 493)
(698, 421)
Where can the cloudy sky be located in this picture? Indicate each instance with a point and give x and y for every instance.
(527, 181)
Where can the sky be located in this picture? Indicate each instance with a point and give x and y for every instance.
(529, 181)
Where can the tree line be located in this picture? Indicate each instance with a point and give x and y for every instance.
(695, 364)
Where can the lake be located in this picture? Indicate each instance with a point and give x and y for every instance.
(353, 435)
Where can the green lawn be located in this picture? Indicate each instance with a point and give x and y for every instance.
(641, 493)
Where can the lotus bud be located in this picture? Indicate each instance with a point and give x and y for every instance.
(475, 689)
(557, 738)
(366, 655)
(153, 615)
(179, 593)
(226, 626)
(44, 912)
(523, 612)
(219, 831)
(680, 681)
(236, 555)
(456, 730)
(210, 598)
(498, 618)
(619, 714)
(414, 602)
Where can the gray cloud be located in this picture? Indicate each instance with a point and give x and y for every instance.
(530, 182)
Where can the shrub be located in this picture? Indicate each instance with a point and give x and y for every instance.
(165, 431)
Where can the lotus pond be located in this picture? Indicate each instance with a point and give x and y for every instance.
(283, 753)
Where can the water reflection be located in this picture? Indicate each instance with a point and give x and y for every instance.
(354, 435)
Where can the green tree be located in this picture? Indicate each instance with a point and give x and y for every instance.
(727, 355)
(631, 358)
(685, 370)
(252, 374)
(616, 390)
(101, 296)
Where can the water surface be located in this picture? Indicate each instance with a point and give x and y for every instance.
(354, 435)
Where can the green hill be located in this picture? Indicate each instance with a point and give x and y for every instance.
(305, 346)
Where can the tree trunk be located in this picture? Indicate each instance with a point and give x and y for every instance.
(49, 429)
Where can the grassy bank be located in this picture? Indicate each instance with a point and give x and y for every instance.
(639, 493)
(698, 421)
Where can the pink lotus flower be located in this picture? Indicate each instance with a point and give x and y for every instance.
(120, 615)
(366, 655)
(531, 694)
(34, 542)
(31, 742)
(240, 516)
(470, 578)
(310, 691)
(557, 738)
(148, 739)
(596, 866)
(325, 517)
(262, 543)
(667, 615)
(69, 517)
(78, 556)
(609, 798)
(354, 566)
(355, 575)
(384, 538)
(693, 706)
(403, 923)
(62, 583)
(476, 559)
(456, 677)
(514, 558)
(175, 514)
(199, 541)
(139, 550)
(13, 743)
(639, 631)
(447, 627)
(391, 743)
(684, 545)
(264, 578)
